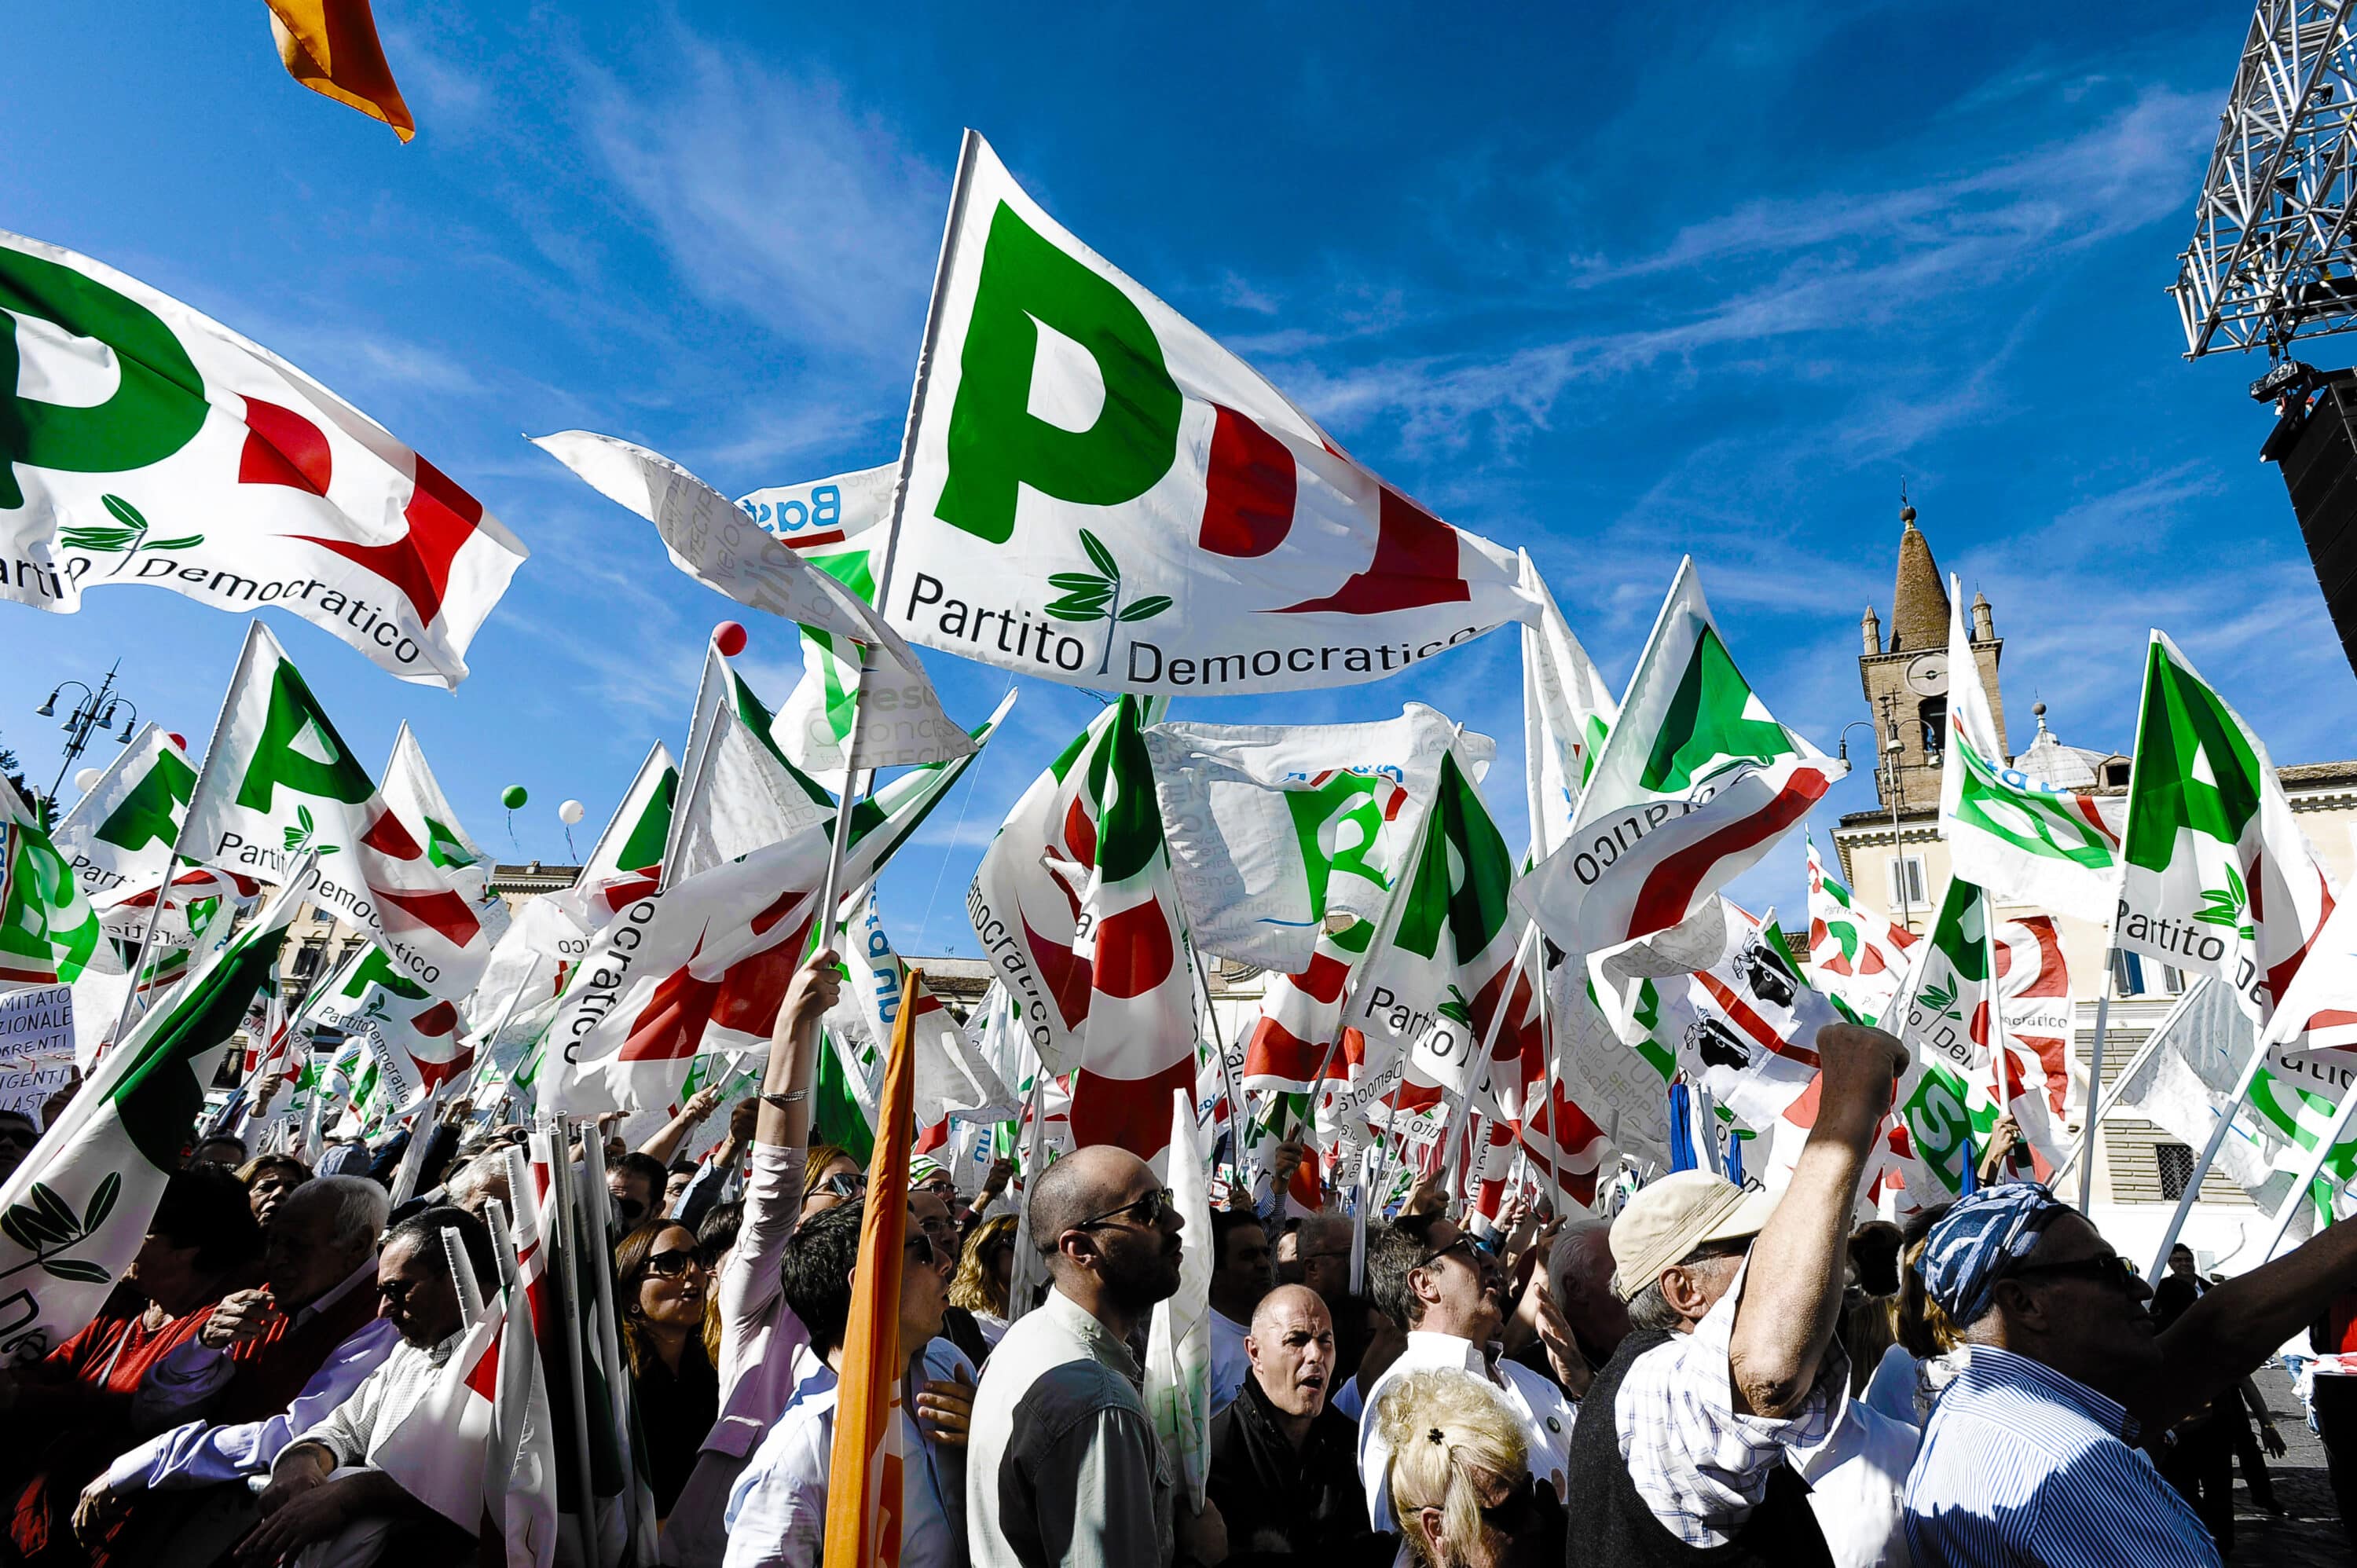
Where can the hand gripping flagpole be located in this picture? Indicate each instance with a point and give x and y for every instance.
(951, 228)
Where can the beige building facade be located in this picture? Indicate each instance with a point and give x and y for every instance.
(1897, 862)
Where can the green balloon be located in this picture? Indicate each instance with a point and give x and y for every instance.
(513, 796)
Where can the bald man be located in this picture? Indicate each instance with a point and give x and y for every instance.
(1285, 1472)
(1063, 1466)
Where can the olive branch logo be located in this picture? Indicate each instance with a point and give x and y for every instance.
(128, 540)
(304, 834)
(2226, 905)
(1456, 1006)
(1096, 596)
(47, 1228)
(1941, 1003)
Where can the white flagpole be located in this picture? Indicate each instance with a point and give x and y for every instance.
(462, 1276)
(557, 1241)
(2097, 1103)
(495, 1216)
(2250, 1070)
(951, 228)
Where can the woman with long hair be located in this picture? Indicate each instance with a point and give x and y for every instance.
(1461, 1480)
(671, 1333)
(985, 1270)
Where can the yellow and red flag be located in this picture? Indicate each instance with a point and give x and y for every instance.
(331, 48)
(863, 1521)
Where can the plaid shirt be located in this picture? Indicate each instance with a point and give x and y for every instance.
(1701, 1465)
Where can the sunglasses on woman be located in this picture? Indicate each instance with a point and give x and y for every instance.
(843, 1184)
(671, 1264)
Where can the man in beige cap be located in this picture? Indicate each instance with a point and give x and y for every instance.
(1729, 1374)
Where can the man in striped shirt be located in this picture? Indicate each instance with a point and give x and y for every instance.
(2028, 1457)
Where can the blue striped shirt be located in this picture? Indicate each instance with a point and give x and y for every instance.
(2022, 1465)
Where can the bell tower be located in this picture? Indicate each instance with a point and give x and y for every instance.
(1906, 677)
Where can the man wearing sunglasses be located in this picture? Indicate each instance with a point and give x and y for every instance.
(1064, 1466)
(2029, 1457)
(1426, 1273)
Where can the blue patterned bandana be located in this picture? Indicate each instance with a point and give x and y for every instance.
(1975, 1243)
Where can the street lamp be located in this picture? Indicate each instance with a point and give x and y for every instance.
(1887, 769)
(93, 711)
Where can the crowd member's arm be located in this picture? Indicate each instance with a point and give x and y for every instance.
(301, 1506)
(1428, 1196)
(2002, 1139)
(993, 1184)
(773, 1183)
(703, 1188)
(2238, 1325)
(1792, 1289)
(186, 1378)
(1282, 1163)
(673, 1132)
(197, 1455)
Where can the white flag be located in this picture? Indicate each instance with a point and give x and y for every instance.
(1567, 712)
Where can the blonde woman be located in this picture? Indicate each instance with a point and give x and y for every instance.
(983, 1272)
(1460, 1476)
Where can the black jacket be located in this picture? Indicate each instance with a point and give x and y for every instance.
(1275, 1502)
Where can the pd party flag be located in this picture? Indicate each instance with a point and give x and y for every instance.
(49, 932)
(1100, 494)
(121, 832)
(279, 783)
(1274, 829)
(2020, 837)
(1443, 960)
(835, 525)
(331, 48)
(1179, 1337)
(187, 457)
(415, 797)
(2220, 879)
(864, 1504)
(76, 1212)
(412, 1038)
(1696, 782)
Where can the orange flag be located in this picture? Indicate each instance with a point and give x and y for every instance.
(331, 46)
(863, 1521)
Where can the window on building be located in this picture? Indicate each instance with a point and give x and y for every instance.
(2115, 774)
(1932, 712)
(2172, 980)
(2175, 1164)
(2127, 973)
(306, 960)
(1906, 884)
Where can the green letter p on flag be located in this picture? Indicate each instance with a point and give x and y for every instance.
(74, 1214)
(1098, 493)
(2219, 878)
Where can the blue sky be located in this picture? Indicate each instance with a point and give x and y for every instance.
(1611, 283)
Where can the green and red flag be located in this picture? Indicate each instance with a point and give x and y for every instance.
(75, 1213)
(280, 785)
(190, 458)
(1100, 494)
(49, 932)
(1696, 782)
(1274, 830)
(2219, 878)
(120, 835)
(1440, 965)
(838, 525)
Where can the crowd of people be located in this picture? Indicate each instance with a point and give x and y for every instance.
(1714, 1375)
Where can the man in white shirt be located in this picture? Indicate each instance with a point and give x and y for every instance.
(1426, 1273)
(1243, 1271)
(777, 1509)
(323, 1484)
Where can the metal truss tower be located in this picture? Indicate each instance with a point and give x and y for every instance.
(2273, 257)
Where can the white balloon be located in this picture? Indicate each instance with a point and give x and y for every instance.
(570, 812)
(87, 778)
